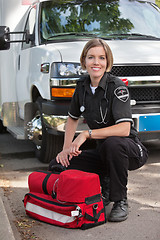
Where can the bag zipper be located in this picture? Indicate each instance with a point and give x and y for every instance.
(49, 201)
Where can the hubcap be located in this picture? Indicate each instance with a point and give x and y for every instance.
(34, 131)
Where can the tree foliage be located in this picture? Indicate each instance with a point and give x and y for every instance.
(158, 3)
(84, 16)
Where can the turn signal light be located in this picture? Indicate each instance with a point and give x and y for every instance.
(62, 92)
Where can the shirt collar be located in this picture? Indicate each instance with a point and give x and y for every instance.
(102, 82)
(86, 83)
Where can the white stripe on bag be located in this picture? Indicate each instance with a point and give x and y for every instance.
(48, 213)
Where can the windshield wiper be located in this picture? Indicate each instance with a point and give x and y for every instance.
(128, 36)
(79, 34)
(134, 36)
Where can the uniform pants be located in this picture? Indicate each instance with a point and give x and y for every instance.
(113, 158)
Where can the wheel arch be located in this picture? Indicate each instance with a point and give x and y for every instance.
(35, 94)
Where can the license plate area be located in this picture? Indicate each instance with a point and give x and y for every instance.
(149, 123)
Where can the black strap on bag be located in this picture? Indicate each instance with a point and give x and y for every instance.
(95, 216)
(91, 200)
(44, 184)
(57, 169)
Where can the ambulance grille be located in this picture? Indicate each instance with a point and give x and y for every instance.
(131, 71)
(145, 94)
(141, 94)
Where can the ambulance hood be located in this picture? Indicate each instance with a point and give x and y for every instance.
(124, 51)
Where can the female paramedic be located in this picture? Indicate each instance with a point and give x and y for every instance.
(104, 102)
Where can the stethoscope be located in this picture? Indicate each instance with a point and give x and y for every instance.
(82, 108)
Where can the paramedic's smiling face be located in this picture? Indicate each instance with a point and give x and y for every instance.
(96, 63)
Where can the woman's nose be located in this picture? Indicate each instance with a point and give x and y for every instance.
(96, 61)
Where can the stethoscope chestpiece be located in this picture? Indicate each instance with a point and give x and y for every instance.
(82, 109)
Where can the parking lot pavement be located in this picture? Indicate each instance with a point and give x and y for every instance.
(143, 195)
(10, 147)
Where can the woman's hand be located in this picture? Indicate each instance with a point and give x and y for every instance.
(79, 140)
(63, 157)
(66, 154)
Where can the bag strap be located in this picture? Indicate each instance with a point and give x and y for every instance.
(95, 216)
(44, 184)
(57, 169)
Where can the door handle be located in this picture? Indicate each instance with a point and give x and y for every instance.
(19, 58)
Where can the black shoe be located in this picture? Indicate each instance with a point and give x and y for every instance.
(119, 211)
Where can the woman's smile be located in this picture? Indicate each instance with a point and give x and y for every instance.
(96, 68)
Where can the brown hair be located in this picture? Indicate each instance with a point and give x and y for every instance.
(96, 42)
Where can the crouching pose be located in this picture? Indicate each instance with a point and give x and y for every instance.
(104, 102)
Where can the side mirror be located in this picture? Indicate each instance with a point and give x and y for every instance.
(4, 38)
(29, 37)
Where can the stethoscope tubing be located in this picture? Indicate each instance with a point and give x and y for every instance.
(82, 108)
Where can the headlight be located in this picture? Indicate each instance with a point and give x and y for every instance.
(66, 70)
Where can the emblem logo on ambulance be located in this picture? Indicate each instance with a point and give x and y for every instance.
(122, 93)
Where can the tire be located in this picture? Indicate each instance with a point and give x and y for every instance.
(47, 146)
(50, 147)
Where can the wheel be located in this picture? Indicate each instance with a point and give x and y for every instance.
(49, 146)
(46, 145)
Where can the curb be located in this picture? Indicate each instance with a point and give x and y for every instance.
(6, 232)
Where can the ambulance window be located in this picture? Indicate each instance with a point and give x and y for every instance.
(30, 27)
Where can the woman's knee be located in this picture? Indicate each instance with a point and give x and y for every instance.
(113, 144)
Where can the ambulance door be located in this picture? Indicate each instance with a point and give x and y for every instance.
(25, 62)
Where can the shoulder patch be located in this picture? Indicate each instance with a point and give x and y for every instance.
(122, 93)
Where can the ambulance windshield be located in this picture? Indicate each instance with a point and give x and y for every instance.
(112, 19)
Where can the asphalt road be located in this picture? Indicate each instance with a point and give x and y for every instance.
(17, 161)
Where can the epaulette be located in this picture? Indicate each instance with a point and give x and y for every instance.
(116, 80)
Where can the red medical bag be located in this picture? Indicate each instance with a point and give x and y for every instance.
(77, 202)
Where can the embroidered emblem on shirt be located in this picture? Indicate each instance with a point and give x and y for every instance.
(122, 93)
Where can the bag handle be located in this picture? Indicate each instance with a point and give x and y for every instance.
(54, 194)
(57, 168)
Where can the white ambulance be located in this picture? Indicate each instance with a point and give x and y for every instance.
(39, 71)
